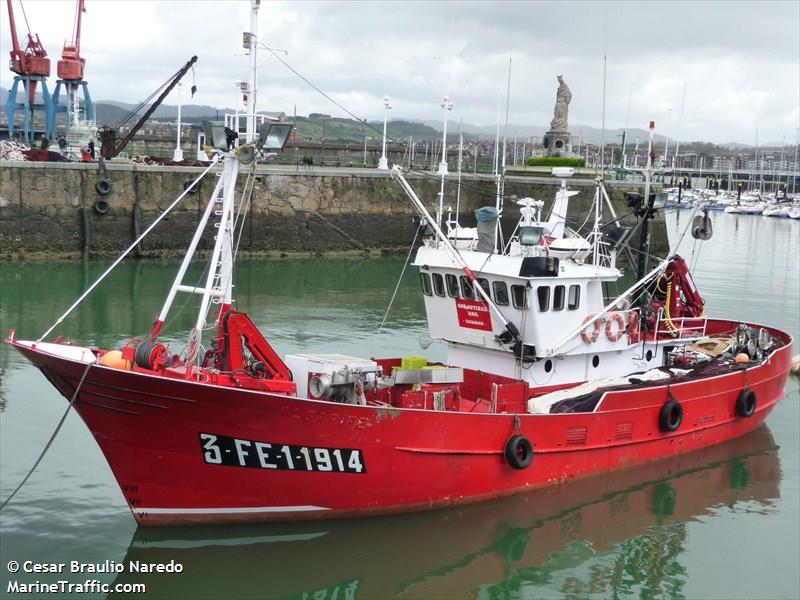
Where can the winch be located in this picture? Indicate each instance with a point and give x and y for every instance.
(334, 377)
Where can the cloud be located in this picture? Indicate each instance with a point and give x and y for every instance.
(740, 61)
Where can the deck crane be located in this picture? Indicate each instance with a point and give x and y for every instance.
(70, 75)
(109, 145)
(32, 67)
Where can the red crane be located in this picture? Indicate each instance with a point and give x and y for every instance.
(71, 65)
(33, 60)
(70, 74)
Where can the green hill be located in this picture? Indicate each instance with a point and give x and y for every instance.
(350, 130)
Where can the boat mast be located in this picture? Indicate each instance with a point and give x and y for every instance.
(796, 147)
(460, 157)
(253, 49)
(647, 211)
(680, 125)
(218, 288)
(500, 173)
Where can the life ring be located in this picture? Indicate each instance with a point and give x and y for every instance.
(519, 452)
(103, 187)
(590, 337)
(670, 417)
(101, 207)
(617, 318)
(746, 403)
(633, 325)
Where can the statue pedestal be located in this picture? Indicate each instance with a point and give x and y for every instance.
(556, 143)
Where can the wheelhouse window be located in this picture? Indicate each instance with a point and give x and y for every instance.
(452, 285)
(559, 295)
(438, 284)
(425, 278)
(543, 295)
(466, 288)
(574, 300)
(484, 283)
(500, 293)
(519, 296)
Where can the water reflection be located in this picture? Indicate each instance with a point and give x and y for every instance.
(622, 534)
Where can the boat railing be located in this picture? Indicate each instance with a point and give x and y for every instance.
(605, 257)
(681, 327)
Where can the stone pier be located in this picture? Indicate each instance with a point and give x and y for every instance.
(54, 210)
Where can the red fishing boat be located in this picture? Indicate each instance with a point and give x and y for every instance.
(545, 380)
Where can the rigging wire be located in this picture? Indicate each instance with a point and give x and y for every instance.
(52, 437)
(399, 279)
(325, 95)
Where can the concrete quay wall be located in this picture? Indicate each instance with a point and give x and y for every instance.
(50, 210)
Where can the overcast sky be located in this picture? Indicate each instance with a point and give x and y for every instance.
(740, 61)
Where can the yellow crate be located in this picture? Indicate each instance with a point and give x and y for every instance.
(413, 362)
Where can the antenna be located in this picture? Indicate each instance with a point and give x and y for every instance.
(508, 99)
(603, 127)
(627, 122)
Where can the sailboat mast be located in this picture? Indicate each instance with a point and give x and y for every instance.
(644, 236)
(680, 124)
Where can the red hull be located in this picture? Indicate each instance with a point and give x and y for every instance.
(149, 429)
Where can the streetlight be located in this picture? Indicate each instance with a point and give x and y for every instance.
(447, 106)
(383, 163)
(177, 156)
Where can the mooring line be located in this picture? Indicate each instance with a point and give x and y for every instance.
(50, 441)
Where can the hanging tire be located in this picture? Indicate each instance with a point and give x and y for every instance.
(746, 403)
(670, 417)
(190, 186)
(519, 452)
(103, 187)
(101, 207)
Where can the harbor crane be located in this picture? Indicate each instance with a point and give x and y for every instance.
(32, 67)
(110, 146)
(70, 71)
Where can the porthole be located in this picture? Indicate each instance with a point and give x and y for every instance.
(548, 365)
(558, 297)
(595, 361)
(543, 293)
(452, 286)
(466, 288)
(438, 284)
(574, 297)
(425, 278)
(649, 355)
(500, 293)
(519, 296)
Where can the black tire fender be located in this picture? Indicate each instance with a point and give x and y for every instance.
(191, 187)
(103, 187)
(101, 207)
(746, 403)
(519, 452)
(670, 416)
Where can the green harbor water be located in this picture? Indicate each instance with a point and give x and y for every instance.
(720, 523)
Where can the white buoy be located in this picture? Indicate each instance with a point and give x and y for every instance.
(795, 369)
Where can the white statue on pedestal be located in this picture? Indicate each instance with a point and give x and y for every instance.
(563, 98)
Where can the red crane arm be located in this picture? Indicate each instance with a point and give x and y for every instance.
(16, 53)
